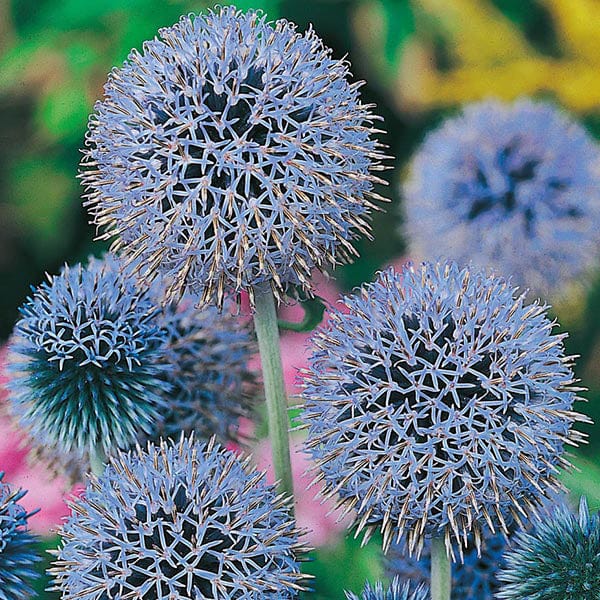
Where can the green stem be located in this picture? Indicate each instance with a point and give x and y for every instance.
(267, 333)
(97, 459)
(441, 580)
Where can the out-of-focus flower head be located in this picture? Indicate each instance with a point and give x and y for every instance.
(396, 591)
(83, 361)
(475, 577)
(513, 186)
(17, 555)
(559, 557)
(180, 520)
(232, 152)
(439, 404)
(207, 355)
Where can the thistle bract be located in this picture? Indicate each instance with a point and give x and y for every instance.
(17, 554)
(230, 153)
(476, 576)
(558, 558)
(510, 186)
(207, 356)
(183, 520)
(438, 404)
(396, 591)
(84, 361)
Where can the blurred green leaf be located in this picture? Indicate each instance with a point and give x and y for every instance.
(64, 111)
(81, 56)
(40, 585)
(584, 480)
(344, 566)
(400, 25)
(41, 196)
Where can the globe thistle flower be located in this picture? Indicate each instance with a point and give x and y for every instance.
(498, 173)
(439, 404)
(207, 355)
(232, 152)
(17, 556)
(182, 520)
(394, 592)
(558, 558)
(84, 361)
(475, 577)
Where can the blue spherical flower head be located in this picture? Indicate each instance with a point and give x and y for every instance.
(476, 576)
(207, 355)
(84, 361)
(438, 404)
(511, 186)
(232, 152)
(181, 521)
(396, 591)
(558, 558)
(17, 554)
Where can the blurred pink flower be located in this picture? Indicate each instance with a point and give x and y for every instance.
(294, 346)
(321, 524)
(43, 491)
(398, 263)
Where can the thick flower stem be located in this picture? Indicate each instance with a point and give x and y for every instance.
(267, 333)
(441, 581)
(97, 459)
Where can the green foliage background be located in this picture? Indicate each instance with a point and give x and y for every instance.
(54, 57)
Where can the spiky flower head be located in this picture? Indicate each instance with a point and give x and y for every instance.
(180, 521)
(476, 576)
(559, 557)
(396, 591)
(207, 355)
(510, 186)
(17, 555)
(231, 152)
(438, 403)
(84, 360)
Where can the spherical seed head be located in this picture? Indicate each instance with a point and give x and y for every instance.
(17, 555)
(84, 360)
(558, 558)
(181, 521)
(475, 577)
(439, 403)
(396, 591)
(230, 153)
(515, 187)
(207, 356)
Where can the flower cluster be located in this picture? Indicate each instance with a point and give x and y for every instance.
(438, 403)
(180, 520)
(230, 153)
(211, 386)
(17, 556)
(396, 591)
(84, 360)
(512, 186)
(559, 557)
